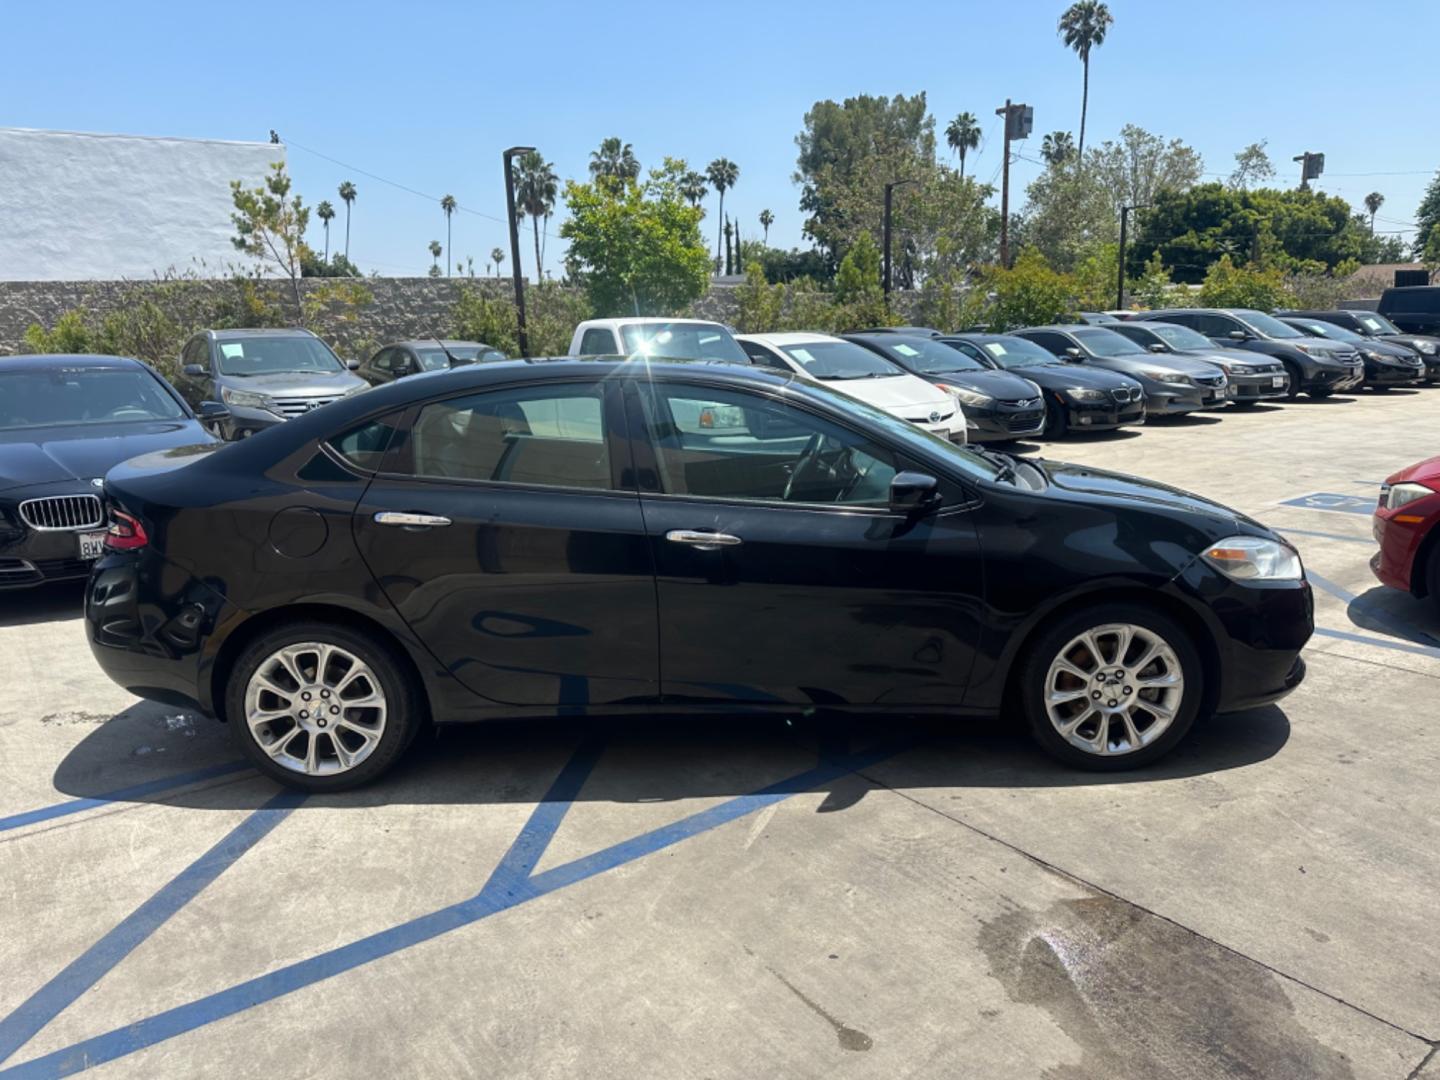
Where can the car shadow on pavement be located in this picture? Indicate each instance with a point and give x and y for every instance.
(1113, 434)
(1183, 420)
(1396, 614)
(44, 603)
(642, 759)
(1330, 399)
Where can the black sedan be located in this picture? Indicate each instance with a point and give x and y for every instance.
(1076, 397)
(1173, 384)
(64, 422)
(1372, 324)
(1386, 364)
(998, 406)
(604, 536)
(1253, 378)
(402, 358)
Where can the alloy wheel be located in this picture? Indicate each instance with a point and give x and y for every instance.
(315, 708)
(1114, 689)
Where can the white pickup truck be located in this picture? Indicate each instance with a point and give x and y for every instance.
(677, 339)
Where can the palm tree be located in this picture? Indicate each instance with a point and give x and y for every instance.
(614, 160)
(497, 255)
(447, 203)
(692, 188)
(1057, 148)
(1373, 202)
(1083, 28)
(963, 134)
(347, 192)
(722, 174)
(766, 220)
(326, 213)
(435, 250)
(536, 187)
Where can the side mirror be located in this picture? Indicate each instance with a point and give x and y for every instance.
(353, 365)
(1072, 355)
(1238, 335)
(913, 493)
(1157, 347)
(194, 370)
(212, 412)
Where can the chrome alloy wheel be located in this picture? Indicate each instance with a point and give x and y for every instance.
(1114, 689)
(315, 708)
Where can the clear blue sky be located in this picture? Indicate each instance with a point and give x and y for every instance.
(427, 94)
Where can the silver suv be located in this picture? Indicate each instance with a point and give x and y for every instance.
(264, 377)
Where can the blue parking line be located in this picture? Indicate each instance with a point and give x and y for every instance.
(494, 898)
(95, 962)
(135, 791)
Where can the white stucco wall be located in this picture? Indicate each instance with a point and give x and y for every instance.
(77, 206)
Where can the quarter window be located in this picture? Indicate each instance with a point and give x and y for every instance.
(597, 342)
(552, 436)
(720, 444)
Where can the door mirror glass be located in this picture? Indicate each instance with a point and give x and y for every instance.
(1157, 347)
(914, 493)
(212, 412)
(353, 365)
(1072, 355)
(1238, 335)
(195, 371)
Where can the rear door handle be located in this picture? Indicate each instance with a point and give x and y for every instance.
(410, 521)
(702, 541)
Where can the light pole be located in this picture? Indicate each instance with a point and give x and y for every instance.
(890, 187)
(1019, 121)
(1311, 166)
(1120, 274)
(520, 332)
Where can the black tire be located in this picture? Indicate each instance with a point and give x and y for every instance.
(1247, 403)
(1292, 388)
(404, 703)
(1057, 420)
(1320, 391)
(1046, 647)
(1432, 577)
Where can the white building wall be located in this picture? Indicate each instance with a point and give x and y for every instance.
(77, 206)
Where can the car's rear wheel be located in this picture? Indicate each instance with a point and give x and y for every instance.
(321, 707)
(1111, 687)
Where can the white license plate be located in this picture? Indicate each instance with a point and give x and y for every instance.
(1277, 380)
(92, 545)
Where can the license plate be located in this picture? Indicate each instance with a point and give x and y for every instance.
(1277, 380)
(92, 545)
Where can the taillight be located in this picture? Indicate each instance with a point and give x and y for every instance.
(125, 532)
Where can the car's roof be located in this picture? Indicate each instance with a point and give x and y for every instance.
(247, 332)
(974, 335)
(634, 320)
(907, 331)
(49, 361)
(793, 337)
(448, 343)
(1064, 328)
(886, 337)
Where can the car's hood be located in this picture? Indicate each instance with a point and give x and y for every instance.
(1059, 376)
(1391, 349)
(1425, 472)
(1187, 365)
(1410, 339)
(1000, 385)
(1081, 481)
(1238, 357)
(299, 383)
(1329, 348)
(86, 451)
(895, 392)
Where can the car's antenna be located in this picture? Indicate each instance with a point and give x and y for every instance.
(454, 361)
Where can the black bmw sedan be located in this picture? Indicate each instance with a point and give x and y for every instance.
(1077, 398)
(601, 536)
(64, 422)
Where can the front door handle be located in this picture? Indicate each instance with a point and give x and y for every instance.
(702, 541)
(410, 521)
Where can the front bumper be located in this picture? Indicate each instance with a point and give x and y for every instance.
(1394, 563)
(1259, 386)
(31, 557)
(1336, 377)
(1102, 415)
(1004, 421)
(244, 422)
(1385, 373)
(1171, 399)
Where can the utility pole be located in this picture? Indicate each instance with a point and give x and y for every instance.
(889, 188)
(1019, 119)
(1120, 274)
(1311, 166)
(520, 332)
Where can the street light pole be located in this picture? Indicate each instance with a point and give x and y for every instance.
(1120, 273)
(890, 187)
(1005, 191)
(520, 330)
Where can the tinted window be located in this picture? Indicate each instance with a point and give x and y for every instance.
(840, 360)
(1016, 352)
(548, 435)
(83, 396)
(720, 444)
(1102, 342)
(1215, 326)
(196, 353)
(760, 354)
(1180, 337)
(1141, 335)
(274, 355)
(597, 341)
(1377, 324)
(1055, 343)
(365, 446)
(1424, 298)
(1327, 330)
(1270, 327)
(683, 341)
(932, 357)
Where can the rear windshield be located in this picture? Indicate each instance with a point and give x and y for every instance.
(1107, 342)
(83, 396)
(276, 356)
(840, 360)
(436, 359)
(683, 341)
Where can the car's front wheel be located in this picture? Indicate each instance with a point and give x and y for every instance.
(321, 707)
(1111, 687)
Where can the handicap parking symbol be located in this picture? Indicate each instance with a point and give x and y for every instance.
(1332, 502)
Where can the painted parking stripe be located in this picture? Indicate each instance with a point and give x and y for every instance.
(1387, 620)
(494, 898)
(1379, 643)
(135, 791)
(1326, 535)
(92, 965)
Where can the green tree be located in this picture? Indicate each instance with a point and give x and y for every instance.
(1030, 293)
(766, 220)
(758, 303)
(1373, 202)
(635, 247)
(722, 174)
(963, 134)
(326, 213)
(70, 334)
(1430, 253)
(1152, 288)
(447, 204)
(347, 194)
(1428, 215)
(1228, 285)
(1067, 214)
(614, 161)
(1141, 165)
(536, 188)
(692, 188)
(270, 226)
(1251, 166)
(1083, 27)
(1057, 148)
(434, 248)
(497, 256)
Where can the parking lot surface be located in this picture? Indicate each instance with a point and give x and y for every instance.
(742, 898)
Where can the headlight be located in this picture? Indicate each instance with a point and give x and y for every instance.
(1078, 393)
(966, 397)
(1404, 494)
(1371, 354)
(1427, 347)
(1166, 376)
(244, 398)
(1253, 558)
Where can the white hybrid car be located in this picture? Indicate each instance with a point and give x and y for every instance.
(862, 374)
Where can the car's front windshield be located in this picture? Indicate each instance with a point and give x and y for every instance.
(1107, 343)
(1267, 325)
(930, 357)
(1014, 352)
(63, 396)
(276, 356)
(683, 341)
(437, 359)
(1329, 330)
(840, 360)
(1181, 337)
(1378, 324)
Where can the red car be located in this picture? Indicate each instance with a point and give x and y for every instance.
(1407, 527)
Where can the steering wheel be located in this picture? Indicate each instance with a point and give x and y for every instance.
(803, 465)
(817, 465)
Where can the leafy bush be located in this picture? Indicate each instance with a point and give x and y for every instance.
(1030, 293)
(552, 313)
(1228, 285)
